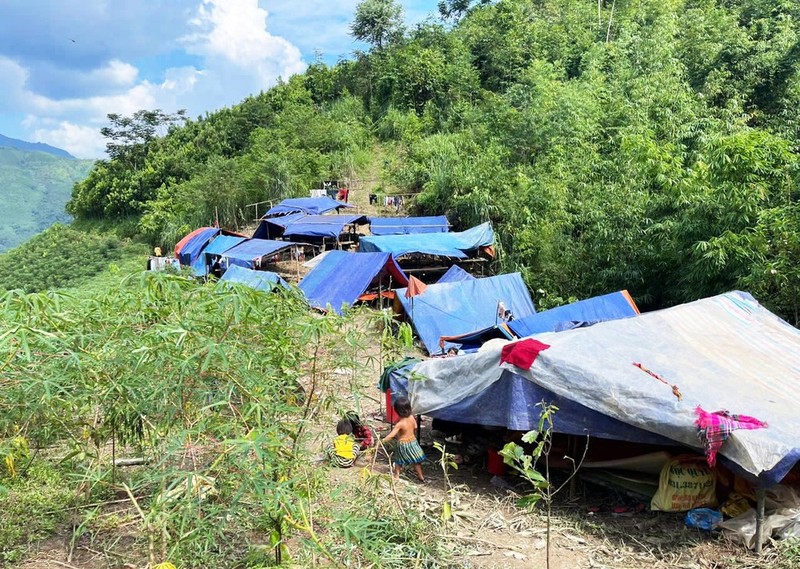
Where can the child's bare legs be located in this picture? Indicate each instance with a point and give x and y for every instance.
(418, 470)
(397, 471)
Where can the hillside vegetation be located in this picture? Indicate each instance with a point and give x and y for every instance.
(648, 144)
(34, 188)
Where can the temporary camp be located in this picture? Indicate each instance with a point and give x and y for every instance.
(213, 252)
(323, 226)
(408, 225)
(465, 306)
(259, 280)
(273, 227)
(341, 278)
(459, 245)
(310, 206)
(188, 249)
(649, 378)
(253, 253)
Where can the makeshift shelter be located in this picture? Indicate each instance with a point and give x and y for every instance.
(326, 226)
(273, 227)
(251, 252)
(464, 306)
(310, 206)
(189, 248)
(455, 274)
(642, 377)
(341, 278)
(216, 248)
(459, 245)
(592, 310)
(408, 225)
(259, 280)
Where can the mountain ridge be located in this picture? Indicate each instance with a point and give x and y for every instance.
(16, 143)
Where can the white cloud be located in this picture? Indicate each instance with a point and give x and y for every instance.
(81, 141)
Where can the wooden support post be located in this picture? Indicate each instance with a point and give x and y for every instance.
(760, 499)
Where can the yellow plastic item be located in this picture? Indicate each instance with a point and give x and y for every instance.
(686, 482)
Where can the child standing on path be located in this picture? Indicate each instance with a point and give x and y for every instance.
(408, 450)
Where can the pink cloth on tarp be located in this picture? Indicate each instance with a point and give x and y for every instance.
(523, 353)
(715, 428)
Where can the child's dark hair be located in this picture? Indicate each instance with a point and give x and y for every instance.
(403, 406)
(344, 427)
(355, 420)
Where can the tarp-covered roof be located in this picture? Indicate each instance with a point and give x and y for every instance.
(274, 226)
(312, 206)
(259, 280)
(724, 352)
(321, 225)
(188, 248)
(246, 253)
(455, 274)
(597, 309)
(459, 307)
(408, 225)
(217, 247)
(455, 244)
(341, 277)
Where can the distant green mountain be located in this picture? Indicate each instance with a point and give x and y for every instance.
(6, 142)
(34, 187)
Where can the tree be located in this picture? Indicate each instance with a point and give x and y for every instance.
(377, 22)
(127, 136)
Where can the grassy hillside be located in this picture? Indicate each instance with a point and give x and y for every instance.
(34, 187)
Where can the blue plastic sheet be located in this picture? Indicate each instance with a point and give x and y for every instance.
(598, 309)
(408, 225)
(341, 277)
(455, 274)
(459, 307)
(259, 280)
(248, 252)
(456, 244)
(312, 206)
(321, 225)
(217, 247)
(189, 251)
(273, 227)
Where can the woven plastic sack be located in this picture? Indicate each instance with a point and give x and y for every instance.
(686, 482)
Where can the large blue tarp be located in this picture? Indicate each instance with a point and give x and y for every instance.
(459, 307)
(598, 309)
(217, 247)
(259, 280)
(246, 253)
(341, 277)
(312, 206)
(189, 250)
(455, 274)
(272, 227)
(456, 244)
(321, 225)
(408, 225)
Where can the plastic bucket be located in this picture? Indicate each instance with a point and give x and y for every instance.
(495, 464)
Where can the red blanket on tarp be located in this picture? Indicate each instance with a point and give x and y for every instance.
(523, 353)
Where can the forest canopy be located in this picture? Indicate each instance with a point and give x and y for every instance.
(639, 144)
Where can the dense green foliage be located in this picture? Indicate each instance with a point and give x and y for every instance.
(216, 389)
(642, 144)
(34, 188)
(62, 257)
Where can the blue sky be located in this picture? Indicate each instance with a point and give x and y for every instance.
(65, 65)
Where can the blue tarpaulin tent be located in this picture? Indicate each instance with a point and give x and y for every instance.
(259, 280)
(188, 249)
(598, 309)
(341, 277)
(311, 206)
(465, 306)
(408, 225)
(455, 274)
(322, 225)
(217, 247)
(456, 244)
(249, 253)
(724, 352)
(273, 227)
